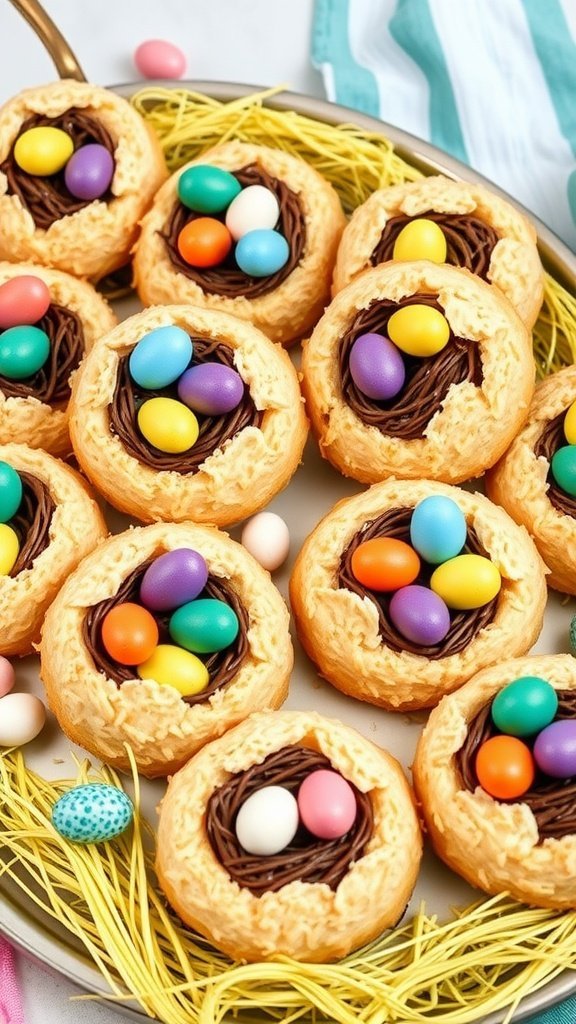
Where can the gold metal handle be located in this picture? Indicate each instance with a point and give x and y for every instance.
(62, 56)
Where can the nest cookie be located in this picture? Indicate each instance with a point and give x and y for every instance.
(525, 842)
(385, 661)
(284, 302)
(315, 899)
(34, 408)
(483, 233)
(61, 204)
(240, 458)
(109, 687)
(50, 510)
(448, 415)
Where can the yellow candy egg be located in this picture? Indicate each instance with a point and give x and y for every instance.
(168, 425)
(43, 151)
(173, 666)
(419, 330)
(467, 581)
(421, 239)
(570, 424)
(9, 548)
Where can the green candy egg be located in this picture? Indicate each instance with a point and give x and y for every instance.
(10, 492)
(204, 626)
(573, 635)
(525, 706)
(206, 189)
(92, 813)
(563, 468)
(23, 351)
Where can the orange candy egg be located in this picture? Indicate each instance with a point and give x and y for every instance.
(129, 633)
(204, 242)
(505, 767)
(385, 564)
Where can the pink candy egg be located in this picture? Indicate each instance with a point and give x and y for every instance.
(157, 58)
(6, 676)
(327, 804)
(23, 301)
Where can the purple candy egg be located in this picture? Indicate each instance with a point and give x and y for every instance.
(555, 749)
(89, 172)
(420, 615)
(173, 579)
(211, 388)
(376, 366)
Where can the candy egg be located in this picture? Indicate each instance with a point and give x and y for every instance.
(267, 538)
(207, 189)
(6, 676)
(421, 239)
(267, 821)
(563, 466)
(569, 420)
(23, 351)
(204, 242)
(9, 548)
(168, 425)
(173, 579)
(10, 492)
(572, 635)
(23, 300)
(262, 253)
(525, 706)
(385, 563)
(43, 151)
(172, 666)
(92, 813)
(420, 615)
(254, 208)
(211, 388)
(376, 367)
(160, 357)
(129, 633)
(327, 804)
(22, 717)
(438, 529)
(505, 767)
(419, 330)
(157, 58)
(555, 749)
(467, 581)
(89, 172)
(204, 626)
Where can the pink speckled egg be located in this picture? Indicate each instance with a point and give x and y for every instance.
(327, 804)
(157, 58)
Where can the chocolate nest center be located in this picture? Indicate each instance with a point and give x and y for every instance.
(50, 384)
(551, 439)
(469, 240)
(32, 521)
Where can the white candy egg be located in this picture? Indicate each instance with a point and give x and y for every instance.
(22, 717)
(267, 821)
(267, 538)
(253, 208)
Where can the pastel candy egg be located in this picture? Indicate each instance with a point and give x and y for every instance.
(421, 239)
(261, 253)
(525, 706)
(204, 242)
(23, 351)
(555, 749)
(10, 492)
(211, 389)
(207, 189)
(168, 425)
(173, 579)
(23, 300)
(438, 529)
(376, 367)
(385, 563)
(160, 357)
(327, 804)
(172, 666)
(466, 582)
(419, 330)
(569, 420)
(505, 767)
(267, 538)
(563, 467)
(43, 150)
(9, 548)
(158, 58)
(572, 635)
(267, 821)
(420, 615)
(22, 718)
(6, 676)
(204, 626)
(129, 633)
(92, 813)
(254, 208)
(89, 172)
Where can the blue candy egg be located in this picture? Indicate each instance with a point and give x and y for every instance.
(438, 529)
(92, 813)
(262, 253)
(160, 357)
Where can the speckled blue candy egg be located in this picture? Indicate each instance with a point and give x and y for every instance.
(262, 252)
(92, 813)
(438, 529)
(160, 357)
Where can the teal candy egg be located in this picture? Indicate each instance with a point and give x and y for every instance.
(438, 529)
(160, 357)
(92, 813)
(573, 635)
(207, 189)
(204, 626)
(262, 252)
(563, 468)
(10, 492)
(23, 351)
(525, 706)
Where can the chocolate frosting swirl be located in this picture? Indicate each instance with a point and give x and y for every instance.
(227, 279)
(32, 521)
(551, 439)
(222, 666)
(51, 383)
(469, 240)
(214, 430)
(46, 198)
(306, 858)
(552, 801)
(427, 379)
(463, 625)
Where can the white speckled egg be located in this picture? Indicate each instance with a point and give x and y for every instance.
(22, 717)
(267, 821)
(92, 813)
(267, 538)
